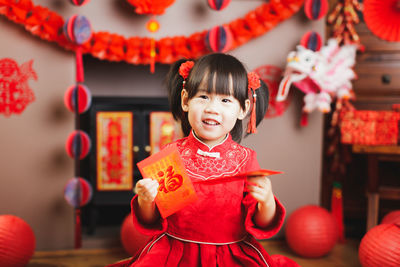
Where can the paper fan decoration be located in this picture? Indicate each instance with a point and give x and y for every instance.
(383, 18)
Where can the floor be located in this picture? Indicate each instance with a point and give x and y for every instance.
(342, 255)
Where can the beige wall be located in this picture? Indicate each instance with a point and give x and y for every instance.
(34, 168)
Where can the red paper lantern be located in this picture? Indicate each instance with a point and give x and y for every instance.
(77, 29)
(218, 4)
(311, 40)
(84, 98)
(78, 192)
(131, 239)
(380, 246)
(219, 39)
(17, 241)
(316, 9)
(391, 217)
(311, 231)
(79, 2)
(78, 144)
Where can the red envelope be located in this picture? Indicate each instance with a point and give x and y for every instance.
(176, 189)
(239, 176)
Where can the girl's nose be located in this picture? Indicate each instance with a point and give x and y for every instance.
(212, 106)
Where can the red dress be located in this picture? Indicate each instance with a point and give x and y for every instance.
(218, 229)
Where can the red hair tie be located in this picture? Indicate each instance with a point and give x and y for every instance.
(254, 84)
(185, 69)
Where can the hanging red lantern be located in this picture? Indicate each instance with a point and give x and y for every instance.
(315, 9)
(392, 217)
(311, 40)
(17, 241)
(218, 4)
(77, 29)
(78, 144)
(380, 246)
(150, 7)
(78, 192)
(79, 2)
(78, 97)
(219, 39)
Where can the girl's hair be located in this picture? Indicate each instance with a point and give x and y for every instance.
(222, 66)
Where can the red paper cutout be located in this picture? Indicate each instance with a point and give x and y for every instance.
(176, 189)
(15, 93)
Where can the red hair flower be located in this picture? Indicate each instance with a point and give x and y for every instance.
(185, 68)
(253, 80)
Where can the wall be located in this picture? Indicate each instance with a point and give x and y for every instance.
(32, 158)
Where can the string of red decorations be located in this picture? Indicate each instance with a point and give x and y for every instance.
(153, 7)
(47, 24)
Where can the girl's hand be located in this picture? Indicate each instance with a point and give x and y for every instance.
(147, 190)
(261, 189)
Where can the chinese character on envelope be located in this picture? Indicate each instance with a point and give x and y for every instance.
(176, 189)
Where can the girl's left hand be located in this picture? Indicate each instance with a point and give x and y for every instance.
(260, 188)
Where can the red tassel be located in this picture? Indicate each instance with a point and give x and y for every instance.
(251, 127)
(337, 209)
(79, 65)
(152, 55)
(78, 234)
(304, 119)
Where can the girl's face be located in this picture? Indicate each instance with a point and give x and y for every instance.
(212, 115)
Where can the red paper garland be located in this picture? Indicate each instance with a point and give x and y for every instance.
(136, 50)
(153, 7)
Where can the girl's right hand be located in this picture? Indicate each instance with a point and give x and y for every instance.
(147, 190)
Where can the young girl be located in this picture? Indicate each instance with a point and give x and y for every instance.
(211, 97)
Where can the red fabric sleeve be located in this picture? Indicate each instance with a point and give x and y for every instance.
(250, 205)
(147, 229)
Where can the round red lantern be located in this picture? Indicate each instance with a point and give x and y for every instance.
(311, 231)
(78, 144)
(392, 217)
(311, 40)
(380, 246)
(219, 39)
(316, 9)
(78, 93)
(79, 2)
(131, 239)
(218, 4)
(17, 241)
(77, 29)
(78, 192)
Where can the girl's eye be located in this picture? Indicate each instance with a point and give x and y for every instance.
(226, 100)
(203, 96)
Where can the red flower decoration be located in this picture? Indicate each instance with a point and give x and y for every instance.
(254, 81)
(185, 68)
(154, 7)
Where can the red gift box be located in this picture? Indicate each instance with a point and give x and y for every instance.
(368, 127)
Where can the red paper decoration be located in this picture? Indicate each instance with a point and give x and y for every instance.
(150, 7)
(17, 241)
(78, 192)
(315, 9)
(84, 98)
(15, 93)
(79, 2)
(311, 231)
(218, 4)
(78, 144)
(311, 40)
(391, 217)
(131, 239)
(219, 39)
(383, 18)
(381, 246)
(135, 50)
(77, 29)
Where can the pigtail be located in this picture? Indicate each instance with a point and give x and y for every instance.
(262, 102)
(174, 83)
